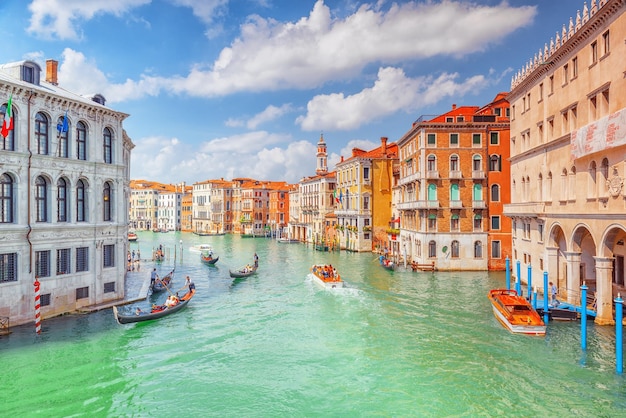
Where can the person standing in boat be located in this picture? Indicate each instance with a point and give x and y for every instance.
(153, 277)
(553, 291)
(256, 260)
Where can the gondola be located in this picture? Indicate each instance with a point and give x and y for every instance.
(387, 263)
(155, 313)
(161, 284)
(208, 258)
(242, 272)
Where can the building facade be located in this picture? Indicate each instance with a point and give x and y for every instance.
(64, 174)
(568, 139)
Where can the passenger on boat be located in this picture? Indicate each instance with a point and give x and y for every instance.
(138, 311)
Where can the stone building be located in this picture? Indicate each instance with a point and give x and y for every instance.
(64, 174)
(568, 140)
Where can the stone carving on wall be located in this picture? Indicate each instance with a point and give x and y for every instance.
(615, 184)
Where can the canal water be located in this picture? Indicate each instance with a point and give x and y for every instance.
(275, 344)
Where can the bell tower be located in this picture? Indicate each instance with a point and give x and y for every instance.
(322, 157)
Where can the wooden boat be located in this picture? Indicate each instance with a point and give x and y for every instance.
(156, 312)
(208, 258)
(287, 241)
(328, 281)
(160, 284)
(132, 237)
(201, 248)
(560, 314)
(242, 272)
(387, 263)
(515, 313)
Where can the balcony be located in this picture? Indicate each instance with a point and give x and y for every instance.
(432, 174)
(478, 174)
(479, 204)
(524, 209)
(455, 174)
(410, 178)
(456, 204)
(407, 205)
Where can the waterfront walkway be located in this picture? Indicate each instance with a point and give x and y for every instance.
(136, 287)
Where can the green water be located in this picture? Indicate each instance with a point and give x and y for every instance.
(274, 344)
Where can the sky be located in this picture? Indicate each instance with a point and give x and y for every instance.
(245, 88)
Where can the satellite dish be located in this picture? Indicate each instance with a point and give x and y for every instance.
(444, 249)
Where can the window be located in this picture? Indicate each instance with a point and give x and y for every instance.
(476, 140)
(41, 199)
(42, 263)
(494, 138)
(6, 199)
(432, 191)
(109, 287)
(432, 223)
(29, 74)
(81, 202)
(565, 73)
(432, 140)
(8, 267)
(63, 138)
(454, 223)
(63, 261)
(106, 202)
(41, 133)
(494, 163)
(495, 193)
(574, 67)
(366, 173)
(477, 192)
(61, 200)
(477, 163)
(478, 249)
(366, 203)
(454, 249)
(454, 162)
(454, 140)
(81, 141)
(455, 194)
(496, 249)
(594, 52)
(82, 259)
(449, 119)
(540, 231)
(495, 223)
(45, 299)
(478, 223)
(551, 84)
(540, 91)
(432, 249)
(432, 163)
(82, 293)
(109, 256)
(497, 111)
(107, 142)
(606, 43)
(8, 143)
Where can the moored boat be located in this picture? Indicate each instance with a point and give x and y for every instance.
(158, 311)
(515, 313)
(326, 276)
(132, 237)
(387, 263)
(201, 248)
(242, 272)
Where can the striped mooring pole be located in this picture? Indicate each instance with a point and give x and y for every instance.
(37, 308)
(619, 342)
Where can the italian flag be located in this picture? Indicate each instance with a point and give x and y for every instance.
(7, 125)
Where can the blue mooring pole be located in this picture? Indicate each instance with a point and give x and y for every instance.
(508, 273)
(546, 317)
(619, 343)
(535, 298)
(518, 279)
(583, 316)
(529, 282)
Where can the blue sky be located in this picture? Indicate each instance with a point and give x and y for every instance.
(244, 88)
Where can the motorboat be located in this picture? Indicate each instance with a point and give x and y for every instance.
(515, 313)
(326, 276)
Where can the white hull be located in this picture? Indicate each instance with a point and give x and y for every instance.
(326, 285)
(519, 329)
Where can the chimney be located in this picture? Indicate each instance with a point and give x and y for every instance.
(383, 145)
(453, 106)
(51, 71)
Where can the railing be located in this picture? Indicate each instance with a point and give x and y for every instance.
(432, 174)
(410, 178)
(456, 204)
(478, 174)
(455, 174)
(479, 204)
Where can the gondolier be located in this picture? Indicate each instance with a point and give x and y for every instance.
(153, 277)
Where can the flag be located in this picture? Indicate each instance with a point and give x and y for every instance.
(7, 125)
(62, 127)
(341, 196)
(335, 196)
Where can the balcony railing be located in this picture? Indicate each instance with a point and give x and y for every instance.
(478, 174)
(456, 204)
(432, 174)
(455, 174)
(410, 178)
(479, 204)
(524, 209)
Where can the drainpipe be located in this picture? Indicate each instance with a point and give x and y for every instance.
(29, 226)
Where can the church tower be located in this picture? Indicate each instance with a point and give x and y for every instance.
(322, 157)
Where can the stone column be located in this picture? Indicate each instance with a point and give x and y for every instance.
(604, 290)
(573, 277)
(552, 266)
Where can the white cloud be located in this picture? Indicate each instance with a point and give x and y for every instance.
(205, 10)
(392, 91)
(269, 114)
(257, 155)
(61, 18)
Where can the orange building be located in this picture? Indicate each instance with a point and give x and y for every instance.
(453, 185)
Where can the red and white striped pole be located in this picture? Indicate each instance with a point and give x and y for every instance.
(37, 308)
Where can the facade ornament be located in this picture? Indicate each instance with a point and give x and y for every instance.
(615, 184)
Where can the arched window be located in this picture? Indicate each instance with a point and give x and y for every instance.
(455, 194)
(432, 191)
(477, 163)
(6, 199)
(478, 192)
(107, 142)
(454, 162)
(431, 163)
(604, 176)
(63, 133)
(81, 202)
(106, 202)
(432, 249)
(454, 222)
(41, 133)
(495, 193)
(549, 187)
(454, 249)
(591, 184)
(494, 163)
(572, 183)
(540, 196)
(8, 143)
(478, 223)
(81, 141)
(564, 184)
(62, 200)
(478, 249)
(41, 199)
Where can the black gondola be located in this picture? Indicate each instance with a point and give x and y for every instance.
(160, 285)
(155, 314)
